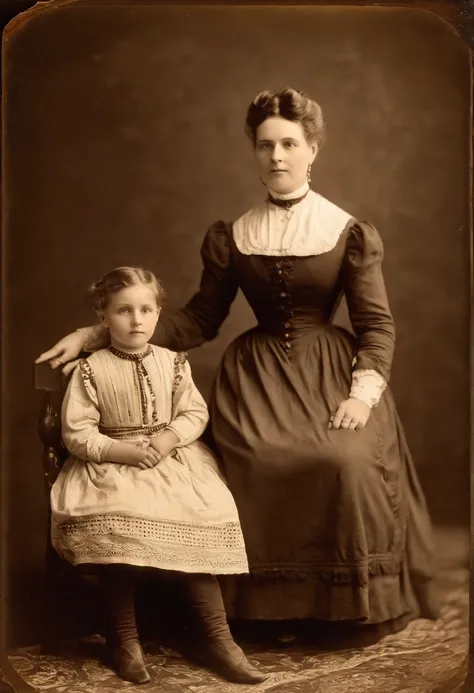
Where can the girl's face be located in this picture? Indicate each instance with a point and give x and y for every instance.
(283, 154)
(131, 316)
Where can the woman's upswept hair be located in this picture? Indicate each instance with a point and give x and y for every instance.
(291, 104)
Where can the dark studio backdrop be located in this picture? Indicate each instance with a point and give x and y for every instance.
(124, 142)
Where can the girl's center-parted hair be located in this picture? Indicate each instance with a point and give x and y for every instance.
(121, 278)
(291, 104)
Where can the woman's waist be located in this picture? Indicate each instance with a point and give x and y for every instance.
(294, 328)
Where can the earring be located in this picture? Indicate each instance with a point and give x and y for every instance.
(308, 173)
(262, 181)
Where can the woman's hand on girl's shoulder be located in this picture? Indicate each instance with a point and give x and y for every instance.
(351, 414)
(65, 351)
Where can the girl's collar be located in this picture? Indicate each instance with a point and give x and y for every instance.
(129, 356)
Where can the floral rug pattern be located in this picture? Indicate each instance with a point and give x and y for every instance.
(419, 659)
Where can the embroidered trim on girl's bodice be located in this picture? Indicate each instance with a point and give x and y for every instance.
(310, 227)
(87, 372)
(179, 367)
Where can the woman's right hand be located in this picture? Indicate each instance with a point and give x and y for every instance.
(65, 351)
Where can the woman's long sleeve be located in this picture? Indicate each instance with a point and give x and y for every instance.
(369, 312)
(201, 318)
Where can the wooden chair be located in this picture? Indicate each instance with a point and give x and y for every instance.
(70, 593)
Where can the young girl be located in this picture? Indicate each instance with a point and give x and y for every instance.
(139, 489)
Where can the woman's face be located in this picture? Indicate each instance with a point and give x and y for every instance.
(283, 154)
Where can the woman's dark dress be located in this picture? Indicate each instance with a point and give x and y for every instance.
(335, 522)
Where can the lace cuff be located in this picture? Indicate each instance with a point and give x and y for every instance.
(95, 336)
(98, 447)
(367, 386)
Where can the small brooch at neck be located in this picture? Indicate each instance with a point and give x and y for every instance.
(138, 356)
(286, 204)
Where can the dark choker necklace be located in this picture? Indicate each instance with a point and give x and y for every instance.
(138, 356)
(287, 204)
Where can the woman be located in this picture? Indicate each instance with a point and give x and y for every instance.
(334, 519)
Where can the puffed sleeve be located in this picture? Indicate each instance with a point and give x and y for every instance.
(80, 417)
(189, 412)
(369, 312)
(201, 318)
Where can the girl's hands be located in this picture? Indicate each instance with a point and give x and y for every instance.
(352, 413)
(143, 452)
(137, 453)
(164, 443)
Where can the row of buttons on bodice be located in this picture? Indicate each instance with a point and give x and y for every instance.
(280, 272)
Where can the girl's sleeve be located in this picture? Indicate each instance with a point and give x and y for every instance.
(369, 312)
(189, 411)
(201, 318)
(80, 417)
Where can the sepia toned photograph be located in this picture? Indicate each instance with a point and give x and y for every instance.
(236, 396)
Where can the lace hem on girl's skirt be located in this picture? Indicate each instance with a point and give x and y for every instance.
(119, 538)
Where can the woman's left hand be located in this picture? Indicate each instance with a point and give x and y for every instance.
(352, 413)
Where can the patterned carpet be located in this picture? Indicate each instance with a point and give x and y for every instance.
(425, 657)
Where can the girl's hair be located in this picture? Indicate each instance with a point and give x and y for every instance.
(291, 104)
(120, 278)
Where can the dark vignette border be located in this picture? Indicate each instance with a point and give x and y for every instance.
(460, 15)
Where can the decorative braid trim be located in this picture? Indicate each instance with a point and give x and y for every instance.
(128, 356)
(87, 372)
(120, 432)
(179, 368)
(355, 574)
